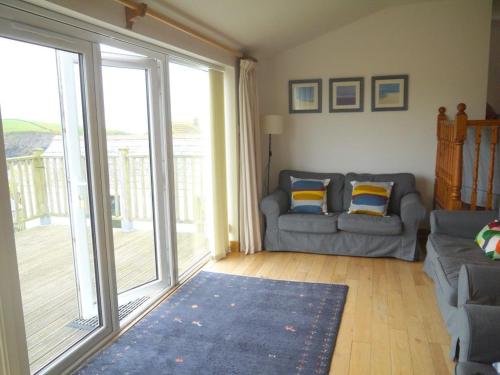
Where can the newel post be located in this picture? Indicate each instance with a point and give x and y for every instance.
(459, 134)
(42, 206)
(441, 117)
(439, 156)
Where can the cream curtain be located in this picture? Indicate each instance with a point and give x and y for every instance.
(219, 179)
(250, 163)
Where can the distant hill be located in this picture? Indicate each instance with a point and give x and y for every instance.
(23, 126)
(22, 137)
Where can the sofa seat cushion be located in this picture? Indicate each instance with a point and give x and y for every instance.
(443, 245)
(367, 224)
(447, 271)
(307, 223)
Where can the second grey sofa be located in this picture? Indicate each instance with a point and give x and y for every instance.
(341, 233)
(467, 285)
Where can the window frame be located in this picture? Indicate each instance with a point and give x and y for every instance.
(157, 143)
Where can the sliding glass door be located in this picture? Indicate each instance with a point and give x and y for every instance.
(132, 119)
(190, 101)
(46, 138)
(89, 206)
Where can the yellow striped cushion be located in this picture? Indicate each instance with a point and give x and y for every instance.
(370, 198)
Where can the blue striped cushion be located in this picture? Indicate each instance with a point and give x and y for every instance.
(309, 195)
(370, 198)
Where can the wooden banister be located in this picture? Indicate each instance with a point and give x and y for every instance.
(484, 123)
(439, 155)
(459, 134)
(451, 136)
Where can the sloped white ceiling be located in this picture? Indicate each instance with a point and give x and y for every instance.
(265, 27)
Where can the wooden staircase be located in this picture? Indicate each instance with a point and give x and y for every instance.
(451, 136)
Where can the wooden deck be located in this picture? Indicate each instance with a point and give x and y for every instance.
(49, 287)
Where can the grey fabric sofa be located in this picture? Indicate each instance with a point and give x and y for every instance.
(467, 286)
(474, 368)
(478, 320)
(342, 233)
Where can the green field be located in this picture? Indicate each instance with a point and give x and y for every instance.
(23, 126)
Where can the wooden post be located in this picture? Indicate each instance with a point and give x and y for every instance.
(459, 134)
(439, 155)
(491, 172)
(41, 198)
(16, 198)
(125, 194)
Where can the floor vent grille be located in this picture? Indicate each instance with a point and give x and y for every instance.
(123, 311)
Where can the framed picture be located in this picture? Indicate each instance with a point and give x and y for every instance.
(346, 94)
(304, 96)
(390, 93)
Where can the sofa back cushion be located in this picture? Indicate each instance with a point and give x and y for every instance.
(404, 183)
(334, 191)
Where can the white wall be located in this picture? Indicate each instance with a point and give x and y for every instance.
(443, 46)
(494, 71)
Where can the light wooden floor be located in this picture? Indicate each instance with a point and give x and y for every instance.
(391, 323)
(48, 284)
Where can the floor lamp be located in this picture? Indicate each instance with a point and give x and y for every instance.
(273, 124)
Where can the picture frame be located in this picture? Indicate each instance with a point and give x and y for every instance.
(390, 93)
(305, 96)
(346, 94)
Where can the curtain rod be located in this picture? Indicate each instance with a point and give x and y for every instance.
(134, 10)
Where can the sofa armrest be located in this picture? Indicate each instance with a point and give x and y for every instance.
(465, 224)
(412, 210)
(479, 329)
(474, 368)
(275, 204)
(479, 284)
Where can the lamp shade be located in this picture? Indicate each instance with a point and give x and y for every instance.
(273, 124)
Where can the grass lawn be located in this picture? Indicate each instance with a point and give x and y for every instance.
(22, 126)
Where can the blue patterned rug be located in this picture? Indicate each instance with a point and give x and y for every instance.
(223, 324)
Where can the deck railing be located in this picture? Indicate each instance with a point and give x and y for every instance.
(38, 188)
(451, 136)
